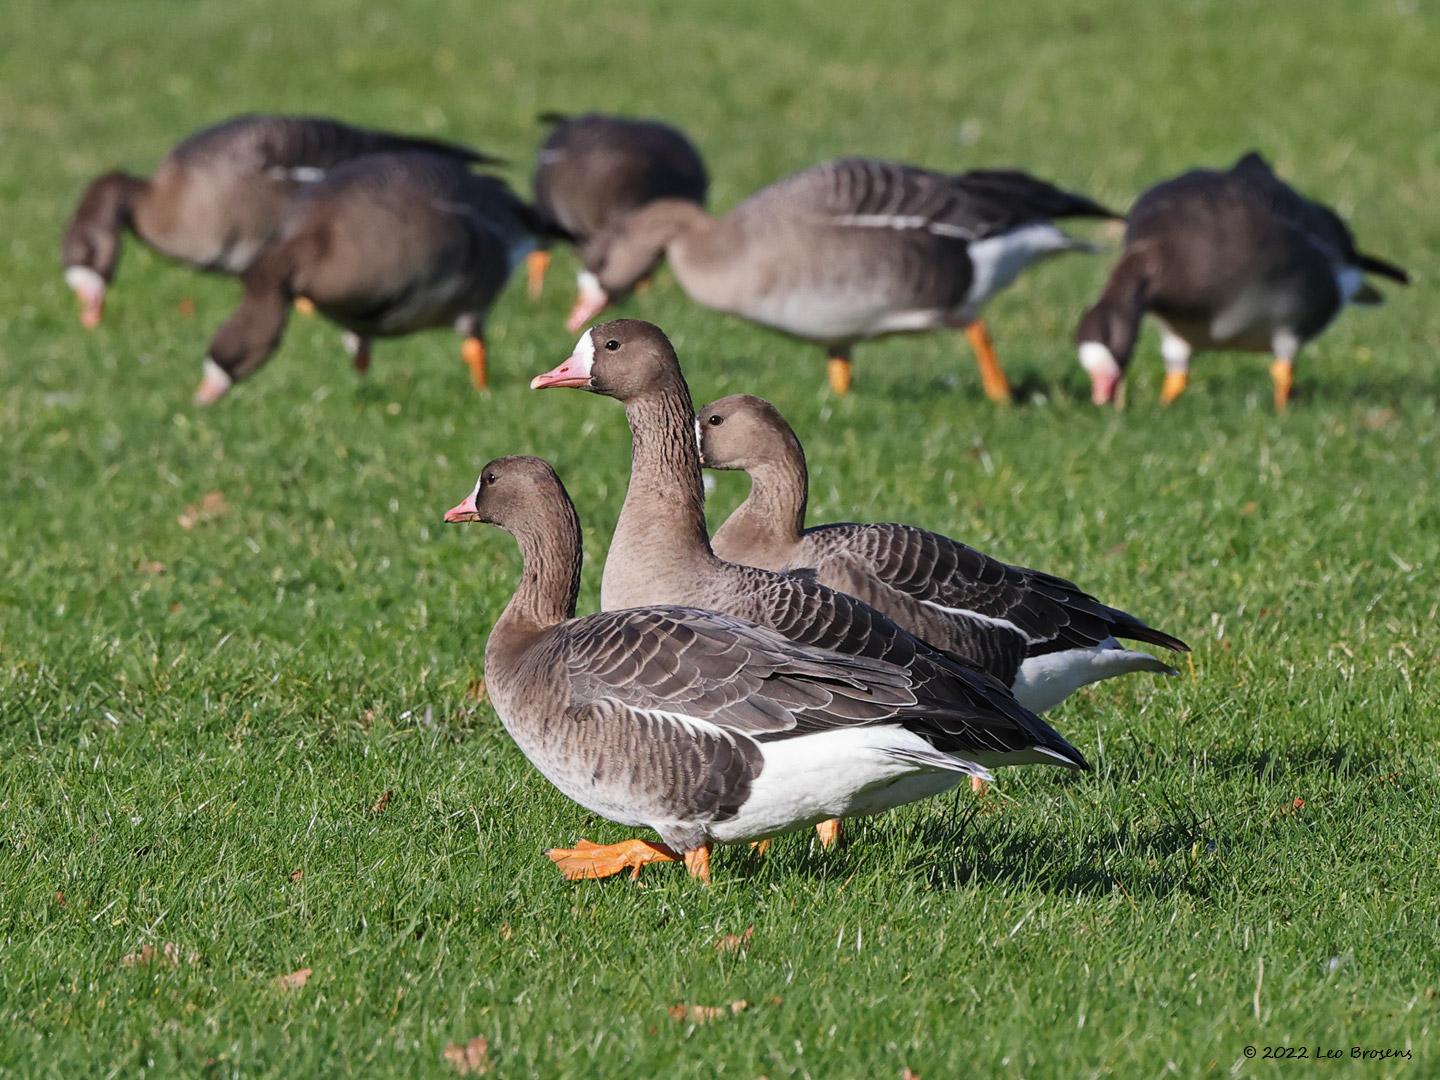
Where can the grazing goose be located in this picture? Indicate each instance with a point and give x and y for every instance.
(385, 245)
(660, 552)
(593, 169)
(1036, 632)
(848, 250)
(218, 197)
(702, 726)
(1225, 260)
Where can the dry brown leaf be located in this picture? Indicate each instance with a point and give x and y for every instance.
(472, 1059)
(1378, 419)
(294, 981)
(735, 942)
(383, 801)
(59, 898)
(476, 690)
(168, 954)
(150, 568)
(908, 1073)
(212, 504)
(296, 875)
(1249, 508)
(176, 608)
(505, 932)
(186, 307)
(703, 1014)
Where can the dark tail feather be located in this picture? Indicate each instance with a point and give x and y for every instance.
(388, 142)
(1132, 629)
(1040, 199)
(1372, 265)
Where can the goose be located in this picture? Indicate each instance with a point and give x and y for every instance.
(593, 169)
(701, 726)
(385, 245)
(660, 552)
(1038, 633)
(847, 250)
(218, 197)
(1232, 259)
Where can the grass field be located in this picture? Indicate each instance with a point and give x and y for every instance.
(199, 720)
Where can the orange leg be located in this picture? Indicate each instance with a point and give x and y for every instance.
(978, 785)
(304, 305)
(1282, 374)
(760, 847)
(830, 832)
(586, 860)
(536, 263)
(1174, 386)
(697, 861)
(838, 368)
(473, 352)
(997, 387)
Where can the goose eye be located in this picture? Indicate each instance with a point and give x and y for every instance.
(490, 478)
(611, 345)
(716, 420)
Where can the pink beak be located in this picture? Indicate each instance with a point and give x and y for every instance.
(570, 373)
(1102, 388)
(590, 301)
(463, 511)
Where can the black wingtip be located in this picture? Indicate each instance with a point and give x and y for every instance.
(1374, 265)
(1138, 631)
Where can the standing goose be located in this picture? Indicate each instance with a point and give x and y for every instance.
(1037, 632)
(593, 169)
(385, 245)
(848, 250)
(660, 552)
(701, 726)
(218, 197)
(1225, 260)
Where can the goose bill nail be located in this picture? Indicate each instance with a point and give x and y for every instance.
(570, 373)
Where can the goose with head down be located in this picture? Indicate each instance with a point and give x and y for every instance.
(385, 245)
(594, 169)
(1038, 633)
(702, 726)
(1233, 259)
(218, 197)
(660, 552)
(848, 250)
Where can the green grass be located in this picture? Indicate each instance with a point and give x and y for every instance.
(174, 745)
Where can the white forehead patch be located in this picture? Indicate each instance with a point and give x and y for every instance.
(82, 279)
(1097, 359)
(587, 283)
(584, 354)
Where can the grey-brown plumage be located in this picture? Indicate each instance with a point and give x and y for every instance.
(593, 169)
(697, 724)
(1233, 259)
(385, 245)
(220, 194)
(851, 249)
(660, 554)
(1038, 633)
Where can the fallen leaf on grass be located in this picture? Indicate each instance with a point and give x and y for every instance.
(383, 801)
(1379, 419)
(59, 898)
(908, 1073)
(150, 568)
(168, 954)
(735, 942)
(296, 875)
(703, 1014)
(476, 690)
(186, 307)
(472, 1059)
(211, 505)
(505, 932)
(294, 981)
(1249, 508)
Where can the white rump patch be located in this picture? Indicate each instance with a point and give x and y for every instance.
(998, 260)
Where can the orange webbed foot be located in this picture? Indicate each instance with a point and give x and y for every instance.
(830, 832)
(536, 263)
(473, 353)
(587, 861)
